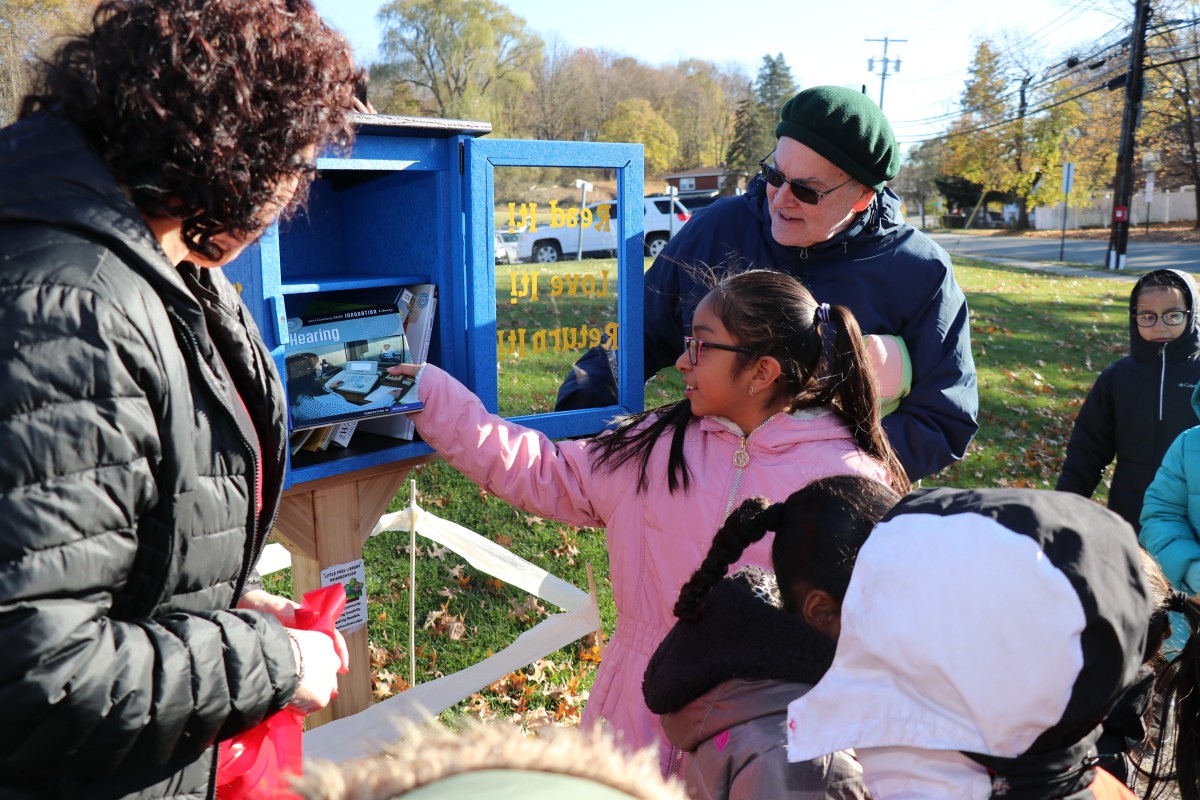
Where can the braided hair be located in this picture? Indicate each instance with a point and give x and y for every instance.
(819, 530)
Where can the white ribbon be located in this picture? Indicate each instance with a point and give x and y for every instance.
(382, 725)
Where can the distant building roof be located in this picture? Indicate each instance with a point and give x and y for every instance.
(702, 171)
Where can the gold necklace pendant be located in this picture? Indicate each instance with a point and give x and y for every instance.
(741, 458)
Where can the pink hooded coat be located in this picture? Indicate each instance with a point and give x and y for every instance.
(655, 539)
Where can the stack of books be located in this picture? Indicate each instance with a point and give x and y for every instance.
(342, 355)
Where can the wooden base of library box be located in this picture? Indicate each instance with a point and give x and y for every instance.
(325, 522)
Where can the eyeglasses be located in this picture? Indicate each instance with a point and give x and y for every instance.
(693, 346)
(1147, 319)
(802, 191)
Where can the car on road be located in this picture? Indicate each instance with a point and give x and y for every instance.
(597, 238)
(506, 248)
(699, 199)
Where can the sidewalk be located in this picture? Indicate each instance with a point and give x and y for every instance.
(1053, 268)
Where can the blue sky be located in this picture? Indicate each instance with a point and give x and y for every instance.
(823, 42)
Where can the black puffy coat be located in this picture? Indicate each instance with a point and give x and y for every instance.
(1134, 411)
(128, 521)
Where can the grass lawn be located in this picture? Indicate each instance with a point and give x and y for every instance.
(1039, 342)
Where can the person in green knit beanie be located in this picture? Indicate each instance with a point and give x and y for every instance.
(836, 151)
(820, 210)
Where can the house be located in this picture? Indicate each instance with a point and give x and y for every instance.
(706, 179)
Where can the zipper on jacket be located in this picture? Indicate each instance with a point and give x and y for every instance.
(741, 459)
(1162, 380)
(677, 758)
(247, 561)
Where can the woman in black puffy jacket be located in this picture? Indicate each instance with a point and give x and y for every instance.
(142, 424)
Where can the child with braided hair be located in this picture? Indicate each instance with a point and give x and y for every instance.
(725, 708)
(780, 390)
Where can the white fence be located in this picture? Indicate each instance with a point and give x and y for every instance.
(1176, 206)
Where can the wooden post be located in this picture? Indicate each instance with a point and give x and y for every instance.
(323, 523)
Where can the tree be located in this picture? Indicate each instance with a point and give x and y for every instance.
(917, 181)
(696, 112)
(637, 121)
(389, 94)
(27, 28)
(774, 85)
(455, 52)
(754, 122)
(552, 103)
(735, 87)
(1170, 125)
(753, 136)
(1002, 139)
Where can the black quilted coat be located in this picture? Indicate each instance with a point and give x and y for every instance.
(128, 521)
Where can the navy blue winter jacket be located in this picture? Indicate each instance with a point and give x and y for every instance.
(894, 278)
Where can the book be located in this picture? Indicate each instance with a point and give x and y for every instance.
(298, 439)
(419, 330)
(342, 433)
(317, 439)
(340, 347)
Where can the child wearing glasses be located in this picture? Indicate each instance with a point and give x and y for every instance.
(780, 390)
(1140, 403)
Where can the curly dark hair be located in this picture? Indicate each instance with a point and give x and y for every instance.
(203, 108)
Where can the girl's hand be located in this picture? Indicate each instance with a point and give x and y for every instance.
(321, 663)
(404, 369)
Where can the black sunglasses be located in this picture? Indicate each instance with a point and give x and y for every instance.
(693, 346)
(800, 190)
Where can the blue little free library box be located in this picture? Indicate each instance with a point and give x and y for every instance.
(414, 202)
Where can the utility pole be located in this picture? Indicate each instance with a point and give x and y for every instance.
(886, 64)
(1123, 184)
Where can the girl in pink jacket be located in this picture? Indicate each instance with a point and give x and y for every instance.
(780, 390)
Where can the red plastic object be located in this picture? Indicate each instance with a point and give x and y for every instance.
(257, 764)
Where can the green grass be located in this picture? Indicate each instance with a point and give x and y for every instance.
(1039, 342)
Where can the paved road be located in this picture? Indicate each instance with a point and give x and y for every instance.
(1139, 256)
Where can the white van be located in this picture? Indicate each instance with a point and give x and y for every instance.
(598, 234)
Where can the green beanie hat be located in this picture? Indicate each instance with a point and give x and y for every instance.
(845, 127)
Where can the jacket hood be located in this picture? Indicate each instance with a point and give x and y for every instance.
(739, 635)
(1184, 348)
(1023, 685)
(50, 174)
(727, 705)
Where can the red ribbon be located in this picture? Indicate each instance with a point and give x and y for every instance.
(259, 764)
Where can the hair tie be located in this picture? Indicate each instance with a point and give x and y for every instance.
(772, 516)
(823, 312)
(1177, 601)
